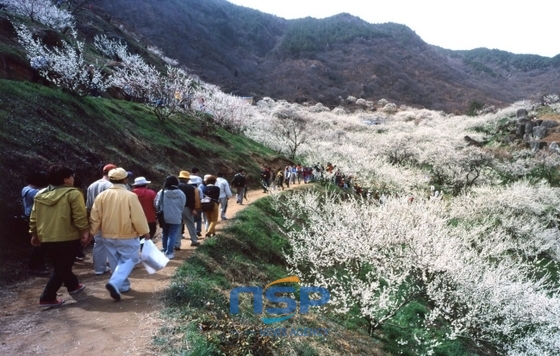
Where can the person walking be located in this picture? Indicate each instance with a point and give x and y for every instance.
(265, 178)
(171, 200)
(35, 182)
(58, 222)
(99, 251)
(117, 212)
(225, 194)
(196, 181)
(190, 210)
(293, 175)
(212, 191)
(299, 171)
(239, 182)
(146, 197)
(287, 175)
(280, 179)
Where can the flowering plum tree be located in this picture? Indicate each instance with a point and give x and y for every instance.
(228, 111)
(42, 11)
(65, 65)
(532, 165)
(165, 94)
(478, 270)
(457, 171)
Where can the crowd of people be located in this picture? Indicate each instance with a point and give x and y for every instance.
(296, 174)
(291, 174)
(117, 214)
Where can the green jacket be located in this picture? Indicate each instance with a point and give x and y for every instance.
(58, 214)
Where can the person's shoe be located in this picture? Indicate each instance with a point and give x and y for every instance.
(125, 291)
(107, 269)
(177, 249)
(224, 218)
(195, 243)
(198, 234)
(113, 291)
(170, 256)
(78, 289)
(54, 303)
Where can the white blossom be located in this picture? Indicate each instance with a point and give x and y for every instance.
(42, 11)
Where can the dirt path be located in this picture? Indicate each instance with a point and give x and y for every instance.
(91, 323)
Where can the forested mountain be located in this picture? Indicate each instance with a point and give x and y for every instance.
(250, 53)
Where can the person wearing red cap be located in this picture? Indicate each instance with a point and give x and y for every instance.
(99, 251)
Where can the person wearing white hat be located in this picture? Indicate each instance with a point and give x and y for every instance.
(118, 213)
(146, 197)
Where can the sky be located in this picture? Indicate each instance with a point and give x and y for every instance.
(521, 27)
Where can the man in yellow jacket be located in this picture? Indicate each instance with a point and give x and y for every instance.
(117, 212)
(57, 222)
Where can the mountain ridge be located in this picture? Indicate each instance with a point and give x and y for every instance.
(250, 53)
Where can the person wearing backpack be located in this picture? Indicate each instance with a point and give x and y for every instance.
(189, 212)
(212, 192)
(239, 182)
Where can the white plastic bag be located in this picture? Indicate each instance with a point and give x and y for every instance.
(152, 258)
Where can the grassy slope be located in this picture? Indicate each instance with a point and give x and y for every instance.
(40, 126)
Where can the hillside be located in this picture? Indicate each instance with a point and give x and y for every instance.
(251, 53)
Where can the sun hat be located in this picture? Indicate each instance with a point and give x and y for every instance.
(141, 181)
(184, 175)
(117, 174)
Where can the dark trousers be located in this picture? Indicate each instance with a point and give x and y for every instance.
(198, 223)
(37, 258)
(62, 255)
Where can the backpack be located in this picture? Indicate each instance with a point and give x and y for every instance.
(238, 180)
(207, 204)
